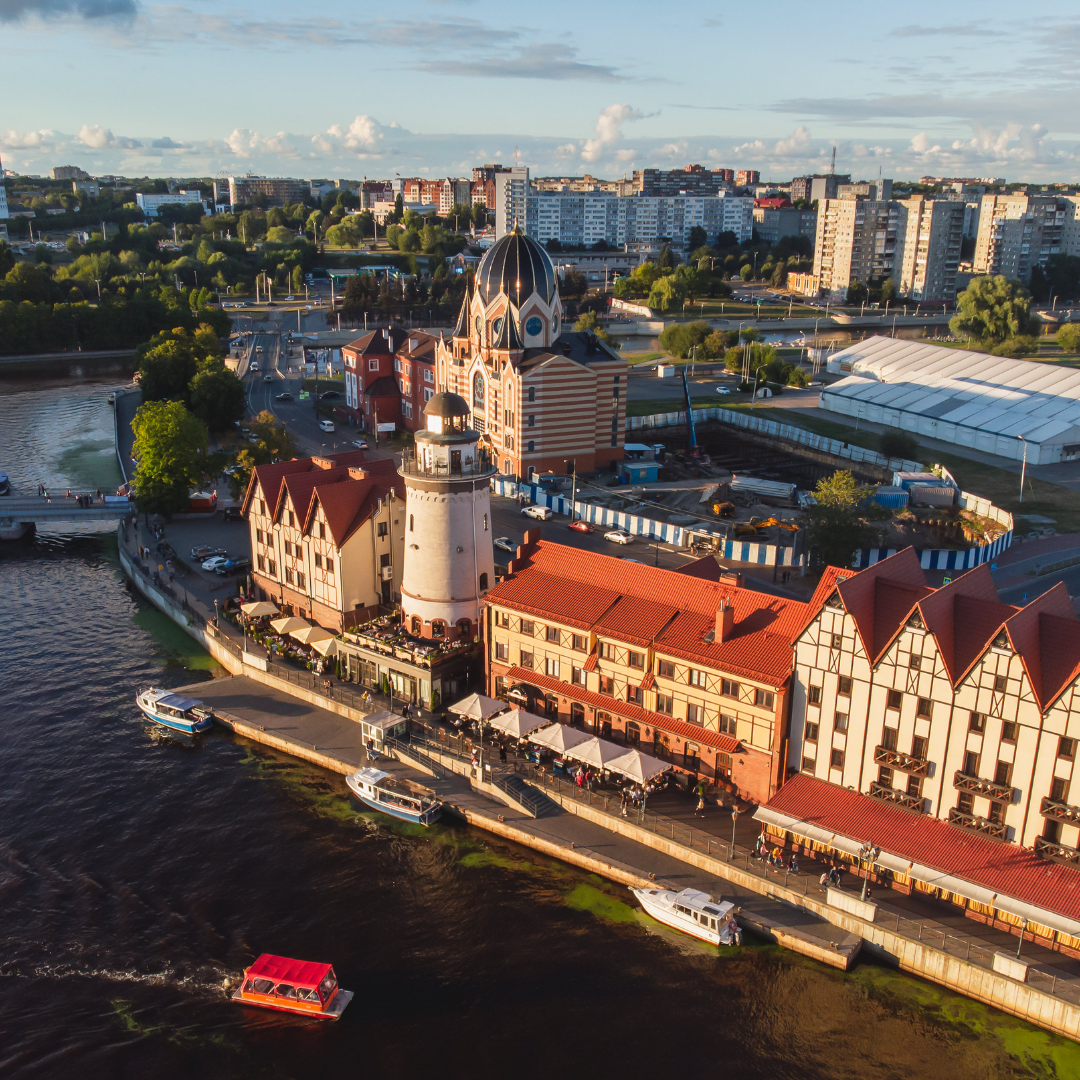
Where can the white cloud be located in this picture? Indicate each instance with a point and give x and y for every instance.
(608, 130)
(99, 138)
(27, 140)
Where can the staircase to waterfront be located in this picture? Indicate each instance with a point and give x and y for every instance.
(525, 795)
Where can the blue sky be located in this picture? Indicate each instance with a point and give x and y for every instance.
(431, 88)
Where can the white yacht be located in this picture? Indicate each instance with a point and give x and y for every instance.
(693, 912)
(395, 796)
(175, 711)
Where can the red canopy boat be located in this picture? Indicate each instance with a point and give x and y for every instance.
(296, 986)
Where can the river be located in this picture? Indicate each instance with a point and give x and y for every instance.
(137, 871)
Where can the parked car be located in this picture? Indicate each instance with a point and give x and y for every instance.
(327, 425)
(326, 395)
(284, 397)
(541, 513)
(506, 544)
(580, 526)
(268, 377)
(360, 444)
(618, 536)
(232, 566)
(723, 389)
(206, 552)
(214, 563)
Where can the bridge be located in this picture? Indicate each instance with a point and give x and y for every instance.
(17, 512)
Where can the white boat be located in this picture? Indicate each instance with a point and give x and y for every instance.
(693, 912)
(174, 711)
(395, 796)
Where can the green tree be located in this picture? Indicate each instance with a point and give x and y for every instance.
(7, 258)
(896, 443)
(270, 441)
(217, 397)
(698, 237)
(746, 272)
(992, 309)
(667, 293)
(573, 284)
(170, 446)
(836, 525)
(166, 370)
(666, 259)
(589, 321)
(1068, 337)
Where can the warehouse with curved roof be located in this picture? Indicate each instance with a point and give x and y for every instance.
(990, 403)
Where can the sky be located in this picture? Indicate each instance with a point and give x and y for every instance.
(433, 87)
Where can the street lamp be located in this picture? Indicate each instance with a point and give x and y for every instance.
(734, 819)
(870, 853)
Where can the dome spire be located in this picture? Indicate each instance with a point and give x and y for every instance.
(462, 328)
(508, 337)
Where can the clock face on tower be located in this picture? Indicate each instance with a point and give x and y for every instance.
(533, 327)
(479, 324)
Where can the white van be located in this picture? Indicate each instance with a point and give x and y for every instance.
(326, 425)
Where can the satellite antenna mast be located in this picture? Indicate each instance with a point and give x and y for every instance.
(517, 157)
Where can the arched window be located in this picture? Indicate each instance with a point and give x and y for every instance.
(411, 523)
(464, 628)
(532, 393)
(483, 582)
(478, 390)
(438, 628)
(417, 626)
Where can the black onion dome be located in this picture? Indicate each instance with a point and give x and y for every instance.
(447, 405)
(518, 266)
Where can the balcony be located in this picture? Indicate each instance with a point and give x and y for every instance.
(1060, 811)
(414, 465)
(896, 795)
(1051, 849)
(916, 766)
(978, 824)
(989, 789)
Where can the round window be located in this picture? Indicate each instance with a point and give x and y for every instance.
(534, 327)
(496, 327)
(479, 324)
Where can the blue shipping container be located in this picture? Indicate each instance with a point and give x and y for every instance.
(895, 498)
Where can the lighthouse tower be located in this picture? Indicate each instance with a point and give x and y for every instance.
(449, 562)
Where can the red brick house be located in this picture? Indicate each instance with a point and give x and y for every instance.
(389, 377)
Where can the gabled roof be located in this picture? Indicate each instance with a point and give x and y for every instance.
(270, 477)
(461, 330)
(1046, 637)
(508, 336)
(645, 604)
(384, 386)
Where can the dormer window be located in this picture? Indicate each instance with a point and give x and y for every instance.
(915, 622)
(1002, 642)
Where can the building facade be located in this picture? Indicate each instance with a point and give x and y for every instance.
(689, 180)
(773, 222)
(389, 377)
(1018, 232)
(327, 536)
(687, 665)
(150, 203)
(277, 189)
(857, 240)
(933, 236)
(747, 177)
(540, 396)
(944, 701)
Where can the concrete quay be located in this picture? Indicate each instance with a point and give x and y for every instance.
(301, 722)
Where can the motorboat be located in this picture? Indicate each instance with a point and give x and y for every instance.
(693, 912)
(294, 986)
(174, 711)
(394, 795)
(5, 484)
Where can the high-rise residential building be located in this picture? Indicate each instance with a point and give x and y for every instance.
(3, 197)
(150, 203)
(511, 187)
(824, 186)
(773, 222)
(857, 240)
(1070, 234)
(746, 177)
(689, 180)
(1019, 232)
(866, 189)
(933, 234)
(278, 190)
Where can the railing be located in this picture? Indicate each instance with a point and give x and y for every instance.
(520, 794)
(998, 830)
(1060, 811)
(908, 763)
(409, 751)
(414, 465)
(1051, 849)
(990, 789)
(896, 795)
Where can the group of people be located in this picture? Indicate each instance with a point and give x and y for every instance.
(632, 798)
(774, 855)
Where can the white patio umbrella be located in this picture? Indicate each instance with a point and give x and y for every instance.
(327, 647)
(311, 634)
(258, 608)
(595, 752)
(518, 723)
(477, 707)
(559, 738)
(637, 766)
(288, 624)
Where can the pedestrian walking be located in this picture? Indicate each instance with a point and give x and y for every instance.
(371, 756)
(624, 800)
(793, 865)
(700, 799)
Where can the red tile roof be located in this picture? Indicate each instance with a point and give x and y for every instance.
(627, 710)
(645, 604)
(1001, 867)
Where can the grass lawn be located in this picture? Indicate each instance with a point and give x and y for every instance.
(633, 358)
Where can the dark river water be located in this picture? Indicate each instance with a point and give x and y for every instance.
(137, 871)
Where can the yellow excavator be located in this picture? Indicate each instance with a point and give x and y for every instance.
(755, 526)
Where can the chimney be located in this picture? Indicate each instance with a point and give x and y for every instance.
(725, 622)
(727, 577)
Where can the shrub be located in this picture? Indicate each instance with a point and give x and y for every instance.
(1069, 337)
(1016, 347)
(895, 443)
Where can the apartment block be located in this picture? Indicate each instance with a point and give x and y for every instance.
(857, 240)
(747, 177)
(1019, 232)
(689, 180)
(278, 190)
(150, 203)
(687, 664)
(511, 189)
(772, 223)
(933, 235)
